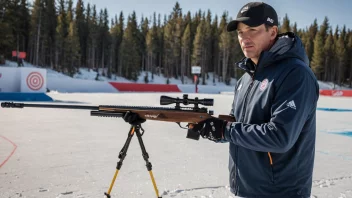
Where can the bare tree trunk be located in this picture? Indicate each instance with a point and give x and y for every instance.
(32, 49)
(88, 58)
(339, 73)
(218, 66)
(52, 53)
(56, 59)
(93, 55)
(182, 64)
(102, 60)
(204, 58)
(38, 37)
(120, 65)
(160, 61)
(143, 64)
(42, 56)
(17, 48)
(188, 64)
(177, 66)
(151, 65)
(326, 68)
(350, 74)
(225, 64)
(111, 56)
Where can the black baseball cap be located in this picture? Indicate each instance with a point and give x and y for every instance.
(254, 14)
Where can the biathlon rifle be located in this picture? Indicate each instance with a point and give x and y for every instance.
(178, 114)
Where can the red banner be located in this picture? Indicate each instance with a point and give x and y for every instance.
(20, 54)
(136, 87)
(336, 93)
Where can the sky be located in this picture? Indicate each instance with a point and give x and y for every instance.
(301, 11)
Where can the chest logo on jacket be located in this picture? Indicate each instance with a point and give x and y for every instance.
(264, 84)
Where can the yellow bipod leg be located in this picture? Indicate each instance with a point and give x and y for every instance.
(122, 155)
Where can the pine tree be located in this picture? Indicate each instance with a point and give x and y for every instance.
(294, 28)
(349, 55)
(317, 63)
(215, 49)
(5, 32)
(225, 50)
(151, 47)
(24, 25)
(324, 28)
(13, 14)
(50, 24)
(61, 34)
(329, 57)
(142, 38)
(177, 34)
(309, 45)
(36, 31)
(186, 52)
(198, 46)
(114, 48)
(167, 50)
(119, 41)
(93, 36)
(318, 53)
(105, 43)
(285, 27)
(72, 43)
(341, 56)
(130, 56)
(160, 46)
(87, 22)
(208, 47)
(82, 30)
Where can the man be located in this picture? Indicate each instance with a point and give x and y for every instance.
(272, 142)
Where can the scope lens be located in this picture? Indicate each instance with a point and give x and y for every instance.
(208, 102)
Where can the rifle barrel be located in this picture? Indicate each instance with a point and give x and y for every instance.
(22, 105)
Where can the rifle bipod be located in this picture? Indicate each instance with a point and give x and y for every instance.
(135, 129)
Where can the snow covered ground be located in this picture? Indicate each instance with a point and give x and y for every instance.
(60, 153)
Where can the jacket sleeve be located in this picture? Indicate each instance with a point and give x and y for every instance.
(294, 101)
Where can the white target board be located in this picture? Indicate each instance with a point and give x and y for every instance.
(10, 79)
(33, 80)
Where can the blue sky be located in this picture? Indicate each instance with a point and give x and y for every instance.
(303, 12)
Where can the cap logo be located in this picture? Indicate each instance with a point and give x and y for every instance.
(270, 20)
(244, 9)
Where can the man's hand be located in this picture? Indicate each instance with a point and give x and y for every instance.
(212, 128)
(133, 118)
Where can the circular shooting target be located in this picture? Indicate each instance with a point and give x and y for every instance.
(35, 81)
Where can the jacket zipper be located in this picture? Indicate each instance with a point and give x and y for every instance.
(241, 120)
(246, 97)
(271, 166)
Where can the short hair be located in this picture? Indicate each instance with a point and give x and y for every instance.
(267, 26)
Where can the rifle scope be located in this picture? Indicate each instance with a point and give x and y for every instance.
(166, 100)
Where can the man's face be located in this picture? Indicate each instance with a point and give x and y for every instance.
(254, 40)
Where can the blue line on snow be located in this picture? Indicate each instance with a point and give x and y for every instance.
(334, 109)
(345, 133)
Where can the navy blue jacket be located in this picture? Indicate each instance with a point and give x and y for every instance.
(272, 144)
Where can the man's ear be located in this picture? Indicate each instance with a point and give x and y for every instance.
(274, 32)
